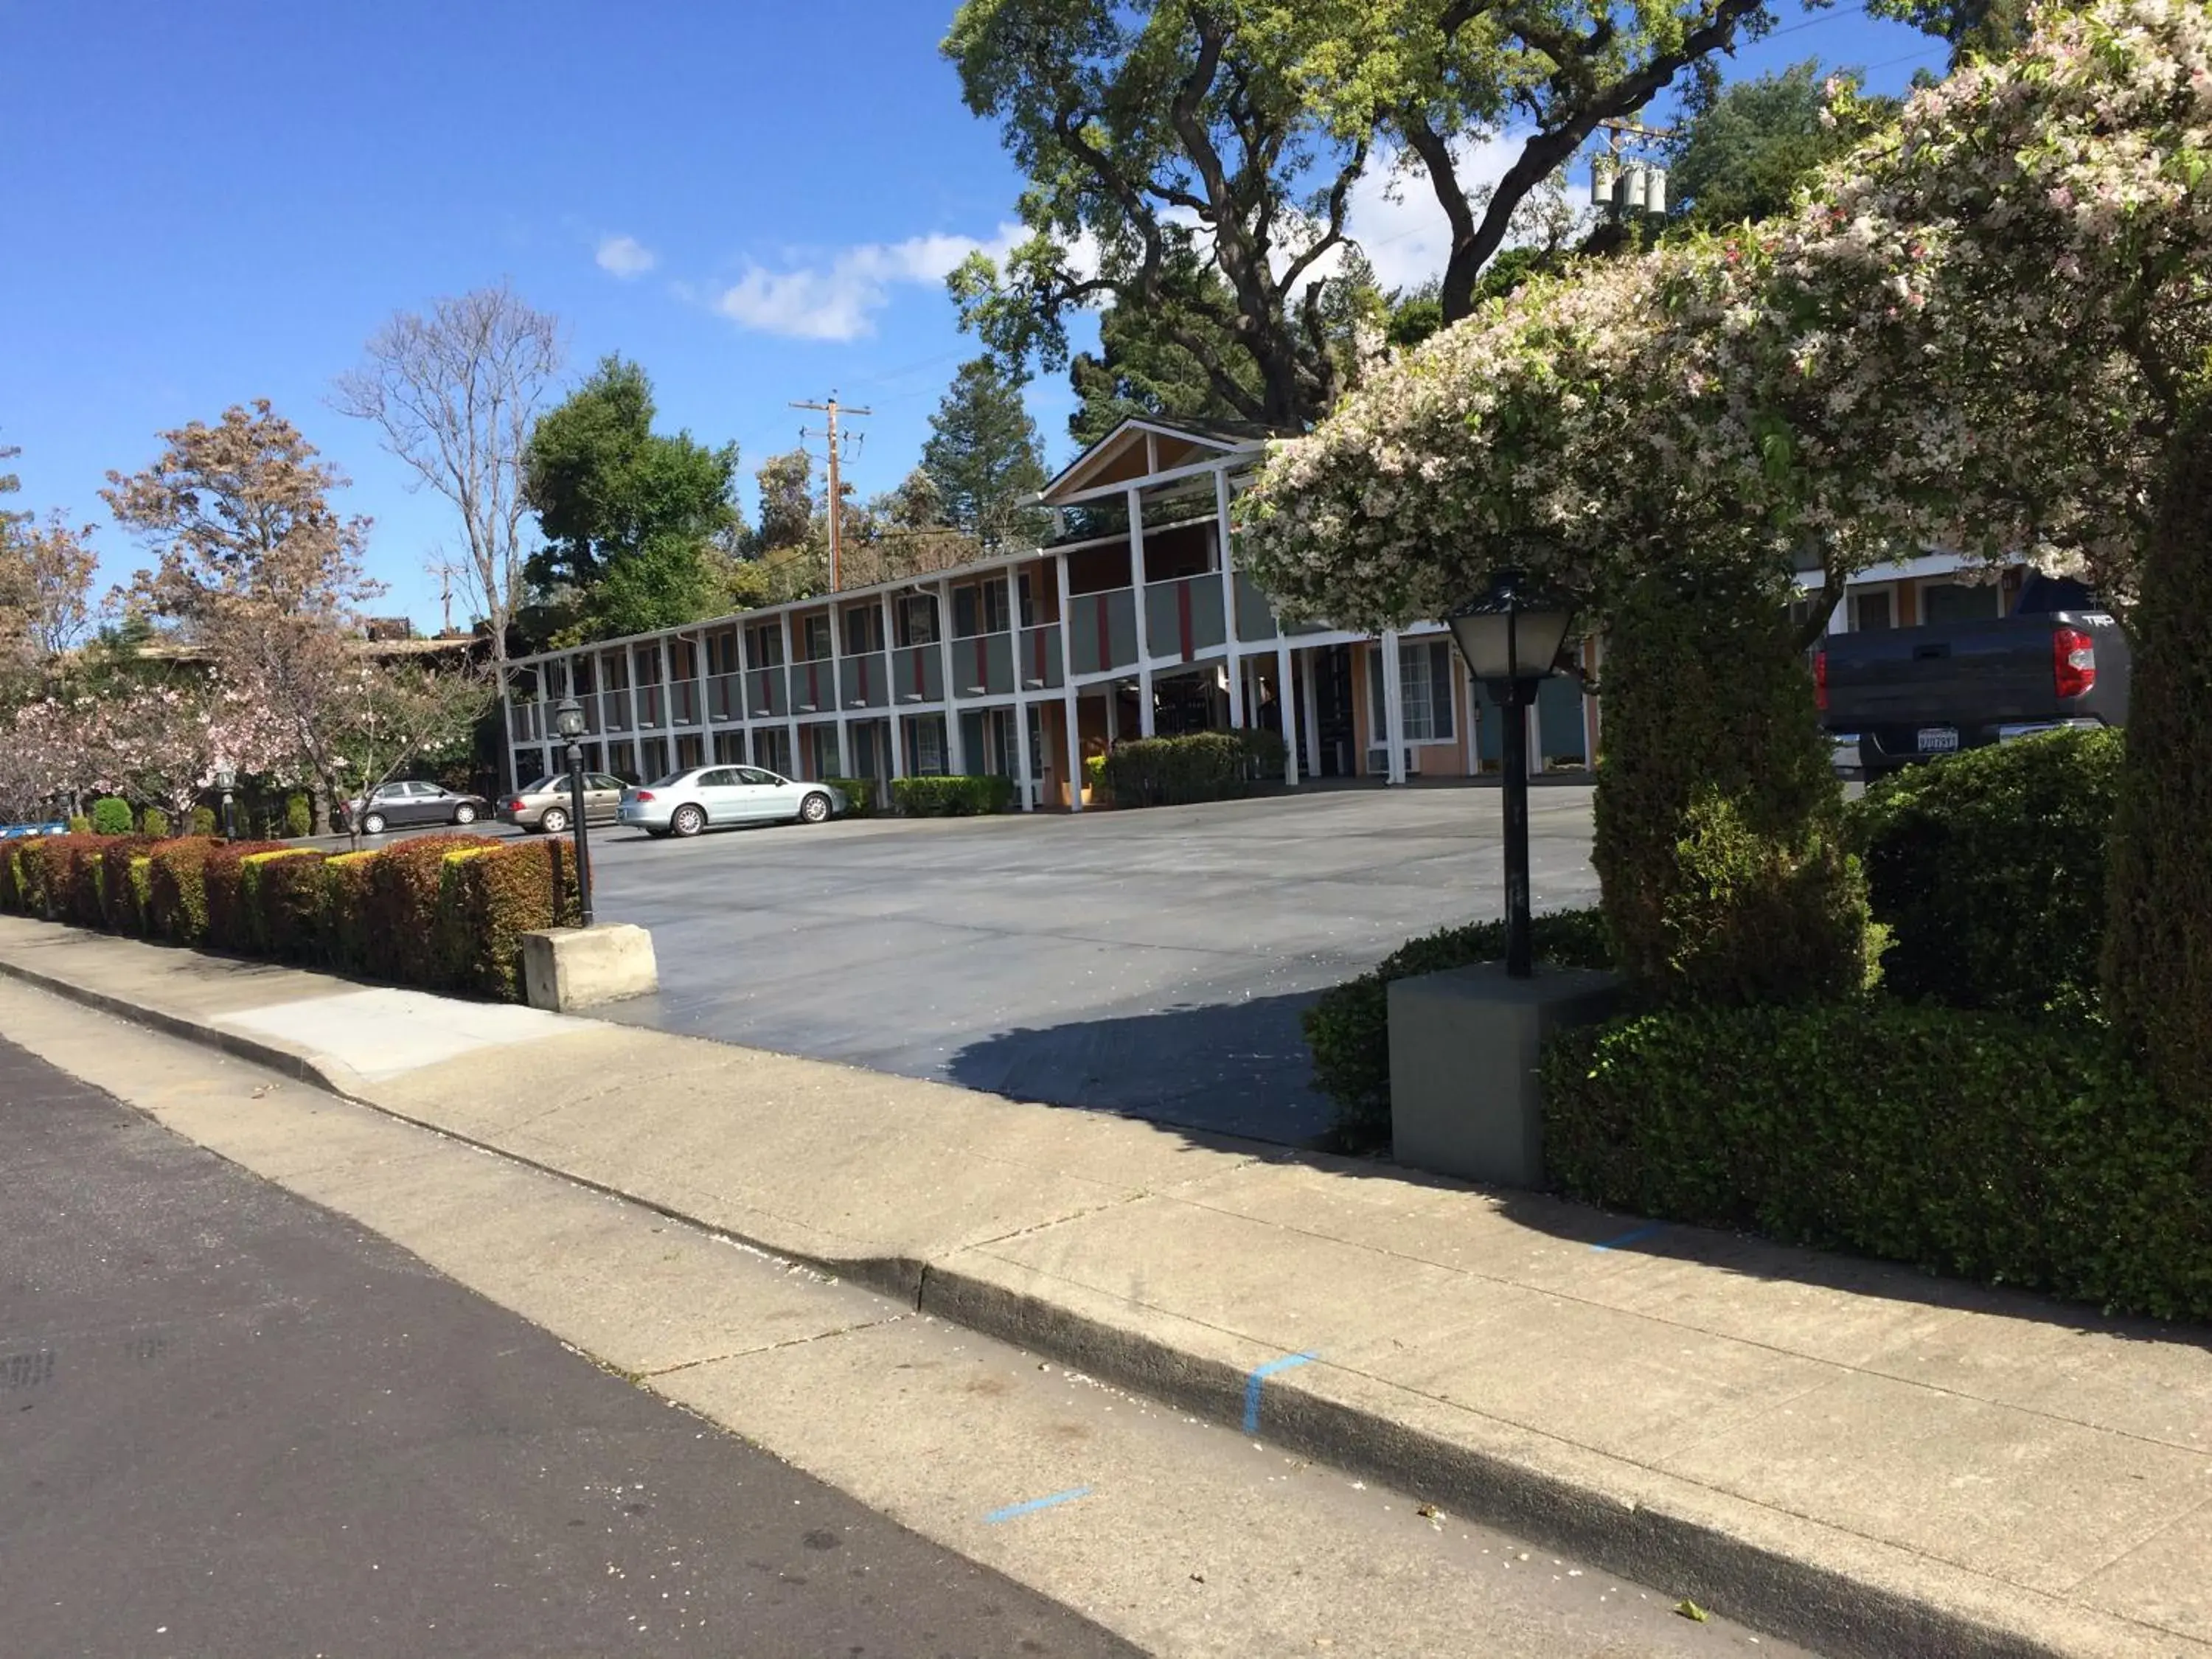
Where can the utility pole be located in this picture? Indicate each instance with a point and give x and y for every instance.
(832, 409)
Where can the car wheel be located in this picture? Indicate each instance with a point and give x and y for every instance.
(688, 821)
(815, 809)
(373, 825)
(464, 814)
(554, 821)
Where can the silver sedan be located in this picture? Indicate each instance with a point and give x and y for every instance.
(685, 803)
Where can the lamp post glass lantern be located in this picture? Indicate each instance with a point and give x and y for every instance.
(1511, 638)
(225, 781)
(568, 721)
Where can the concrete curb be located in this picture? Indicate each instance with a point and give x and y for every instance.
(1841, 1614)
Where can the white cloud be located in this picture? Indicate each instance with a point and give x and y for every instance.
(840, 301)
(625, 257)
(1393, 213)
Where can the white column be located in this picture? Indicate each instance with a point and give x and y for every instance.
(1021, 693)
(746, 691)
(1136, 500)
(956, 761)
(1310, 717)
(1228, 594)
(837, 687)
(790, 701)
(668, 694)
(1070, 711)
(1286, 706)
(891, 692)
(1392, 710)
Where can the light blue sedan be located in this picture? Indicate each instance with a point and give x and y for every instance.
(685, 803)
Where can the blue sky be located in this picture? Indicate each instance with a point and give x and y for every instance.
(212, 203)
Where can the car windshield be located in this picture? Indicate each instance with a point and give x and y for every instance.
(544, 786)
(671, 780)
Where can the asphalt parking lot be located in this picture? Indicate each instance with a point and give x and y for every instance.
(1154, 963)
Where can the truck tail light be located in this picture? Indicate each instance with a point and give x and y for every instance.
(2072, 662)
(1821, 681)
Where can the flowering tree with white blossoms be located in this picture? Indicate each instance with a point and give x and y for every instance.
(1991, 328)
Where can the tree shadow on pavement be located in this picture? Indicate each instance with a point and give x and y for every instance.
(1237, 1069)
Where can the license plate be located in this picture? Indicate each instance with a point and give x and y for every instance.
(1938, 739)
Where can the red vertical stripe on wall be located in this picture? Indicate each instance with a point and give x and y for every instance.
(1105, 635)
(982, 666)
(1182, 616)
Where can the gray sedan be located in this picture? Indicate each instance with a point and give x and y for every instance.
(685, 803)
(546, 804)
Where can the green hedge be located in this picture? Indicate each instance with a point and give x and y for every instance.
(952, 798)
(1975, 1144)
(443, 912)
(1201, 765)
(1348, 1032)
(111, 816)
(1989, 869)
(859, 795)
(155, 823)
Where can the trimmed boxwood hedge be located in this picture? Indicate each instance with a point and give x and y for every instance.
(952, 798)
(1198, 766)
(859, 795)
(1348, 1030)
(444, 912)
(1975, 1144)
(1989, 869)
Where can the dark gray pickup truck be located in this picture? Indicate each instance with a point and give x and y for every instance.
(1910, 694)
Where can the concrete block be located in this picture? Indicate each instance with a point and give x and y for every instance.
(565, 968)
(1464, 1048)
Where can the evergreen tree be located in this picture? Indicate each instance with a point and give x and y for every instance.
(983, 455)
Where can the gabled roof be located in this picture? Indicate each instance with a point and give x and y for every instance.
(1142, 446)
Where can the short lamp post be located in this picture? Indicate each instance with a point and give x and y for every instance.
(568, 721)
(1511, 637)
(225, 781)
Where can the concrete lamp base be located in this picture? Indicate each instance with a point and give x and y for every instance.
(565, 968)
(1464, 1047)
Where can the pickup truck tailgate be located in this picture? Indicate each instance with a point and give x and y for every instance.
(1999, 670)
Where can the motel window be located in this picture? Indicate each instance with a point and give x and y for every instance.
(917, 619)
(814, 642)
(1950, 602)
(1425, 688)
(864, 630)
(1871, 611)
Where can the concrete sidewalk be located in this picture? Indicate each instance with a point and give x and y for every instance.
(1859, 1457)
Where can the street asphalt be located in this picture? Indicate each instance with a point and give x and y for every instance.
(1154, 963)
(233, 1424)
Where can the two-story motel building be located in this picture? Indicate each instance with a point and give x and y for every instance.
(1132, 621)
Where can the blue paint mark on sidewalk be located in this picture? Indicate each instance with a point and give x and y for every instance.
(1636, 1236)
(1261, 1374)
(1034, 1504)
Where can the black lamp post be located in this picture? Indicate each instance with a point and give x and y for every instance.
(1511, 638)
(568, 721)
(226, 780)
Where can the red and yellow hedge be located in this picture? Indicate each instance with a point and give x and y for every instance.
(444, 912)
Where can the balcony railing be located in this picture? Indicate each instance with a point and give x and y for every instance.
(767, 693)
(1183, 618)
(1039, 665)
(863, 682)
(814, 687)
(918, 674)
(1255, 617)
(983, 666)
(725, 698)
(1101, 630)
